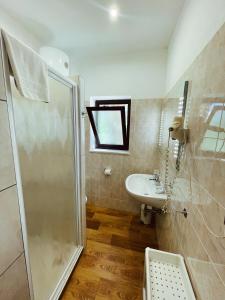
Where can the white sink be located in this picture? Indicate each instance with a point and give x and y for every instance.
(143, 188)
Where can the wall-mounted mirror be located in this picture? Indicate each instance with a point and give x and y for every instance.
(182, 107)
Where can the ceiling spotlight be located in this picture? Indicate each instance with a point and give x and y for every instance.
(114, 13)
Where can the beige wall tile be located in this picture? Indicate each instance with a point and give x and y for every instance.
(207, 284)
(7, 175)
(10, 228)
(13, 283)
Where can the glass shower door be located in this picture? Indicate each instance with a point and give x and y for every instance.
(45, 140)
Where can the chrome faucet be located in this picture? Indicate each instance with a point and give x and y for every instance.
(156, 178)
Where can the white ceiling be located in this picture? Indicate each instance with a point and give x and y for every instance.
(84, 28)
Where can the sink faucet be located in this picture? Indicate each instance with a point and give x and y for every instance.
(156, 178)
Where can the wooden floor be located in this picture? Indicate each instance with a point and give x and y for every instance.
(111, 266)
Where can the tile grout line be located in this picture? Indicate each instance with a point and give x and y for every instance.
(11, 264)
(8, 187)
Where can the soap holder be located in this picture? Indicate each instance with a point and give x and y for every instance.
(166, 277)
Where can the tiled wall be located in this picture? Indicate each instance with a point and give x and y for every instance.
(13, 277)
(143, 158)
(200, 184)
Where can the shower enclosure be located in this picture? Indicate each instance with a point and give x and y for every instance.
(48, 166)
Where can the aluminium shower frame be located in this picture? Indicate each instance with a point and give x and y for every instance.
(79, 203)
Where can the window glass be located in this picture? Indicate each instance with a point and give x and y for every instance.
(109, 127)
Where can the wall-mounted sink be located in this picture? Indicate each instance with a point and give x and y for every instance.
(143, 188)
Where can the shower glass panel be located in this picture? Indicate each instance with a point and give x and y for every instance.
(45, 139)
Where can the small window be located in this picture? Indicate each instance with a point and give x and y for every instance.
(110, 123)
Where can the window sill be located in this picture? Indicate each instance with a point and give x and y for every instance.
(105, 151)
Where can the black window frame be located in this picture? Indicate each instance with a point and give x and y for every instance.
(112, 105)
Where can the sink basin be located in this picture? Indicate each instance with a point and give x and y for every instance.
(143, 188)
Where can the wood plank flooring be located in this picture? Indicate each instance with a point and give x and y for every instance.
(111, 267)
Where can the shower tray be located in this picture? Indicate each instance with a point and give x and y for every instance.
(166, 277)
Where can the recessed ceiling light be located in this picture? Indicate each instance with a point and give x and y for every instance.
(114, 13)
